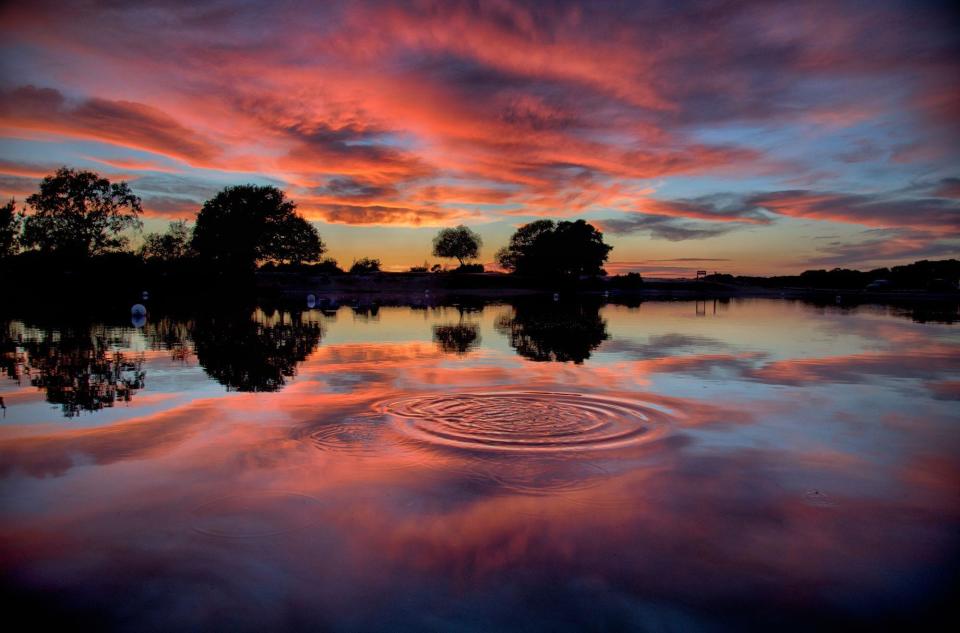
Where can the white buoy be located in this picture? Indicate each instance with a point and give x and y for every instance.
(138, 320)
(138, 309)
(311, 301)
(145, 295)
(556, 296)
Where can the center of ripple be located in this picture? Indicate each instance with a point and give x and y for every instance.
(527, 421)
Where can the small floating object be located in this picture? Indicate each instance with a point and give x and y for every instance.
(138, 309)
(138, 320)
(556, 296)
(311, 301)
(839, 299)
(606, 293)
(818, 498)
(145, 295)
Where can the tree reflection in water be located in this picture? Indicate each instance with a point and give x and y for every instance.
(254, 353)
(461, 337)
(557, 331)
(91, 367)
(80, 368)
(172, 335)
(456, 338)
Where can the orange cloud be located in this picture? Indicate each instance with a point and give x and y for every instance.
(122, 123)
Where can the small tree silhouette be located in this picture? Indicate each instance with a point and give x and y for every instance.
(459, 242)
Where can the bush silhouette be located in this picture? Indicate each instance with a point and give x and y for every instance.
(365, 265)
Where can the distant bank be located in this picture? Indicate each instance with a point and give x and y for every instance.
(935, 281)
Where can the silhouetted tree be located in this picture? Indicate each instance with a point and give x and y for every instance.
(365, 265)
(555, 249)
(459, 242)
(246, 225)
(169, 246)
(253, 354)
(563, 332)
(78, 213)
(10, 222)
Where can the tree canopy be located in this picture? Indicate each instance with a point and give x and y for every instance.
(79, 213)
(459, 242)
(246, 225)
(555, 249)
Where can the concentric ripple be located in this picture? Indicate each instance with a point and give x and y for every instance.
(348, 436)
(527, 421)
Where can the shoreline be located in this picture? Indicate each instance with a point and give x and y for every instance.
(400, 286)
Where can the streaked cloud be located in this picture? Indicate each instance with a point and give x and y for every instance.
(671, 121)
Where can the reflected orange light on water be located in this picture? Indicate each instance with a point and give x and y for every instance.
(671, 460)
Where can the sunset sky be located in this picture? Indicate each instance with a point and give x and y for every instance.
(742, 137)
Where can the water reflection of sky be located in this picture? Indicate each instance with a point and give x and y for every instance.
(751, 464)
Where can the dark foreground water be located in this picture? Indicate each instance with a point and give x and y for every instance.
(536, 467)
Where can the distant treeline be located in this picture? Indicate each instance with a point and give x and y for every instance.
(76, 231)
(80, 224)
(940, 275)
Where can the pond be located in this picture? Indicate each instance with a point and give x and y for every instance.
(532, 465)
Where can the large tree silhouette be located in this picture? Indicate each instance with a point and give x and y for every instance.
(246, 225)
(555, 249)
(78, 213)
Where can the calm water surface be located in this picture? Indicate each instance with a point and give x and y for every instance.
(534, 466)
